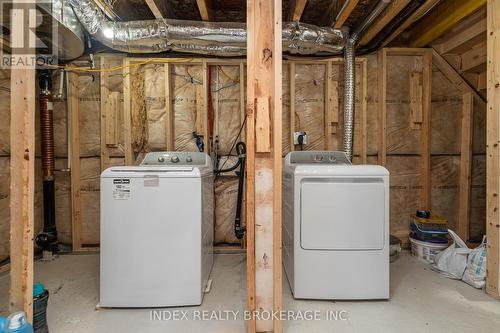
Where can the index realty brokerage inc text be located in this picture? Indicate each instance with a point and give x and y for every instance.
(176, 315)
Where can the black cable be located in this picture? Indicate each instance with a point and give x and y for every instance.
(233, 145)
(300, 139)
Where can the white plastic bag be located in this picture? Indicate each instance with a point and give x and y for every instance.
(475, 273)
(453, 260)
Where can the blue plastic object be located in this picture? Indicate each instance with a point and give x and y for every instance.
(3, 324)
(16, 323)
(38, 289)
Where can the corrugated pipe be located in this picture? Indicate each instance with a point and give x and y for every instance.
(209, 38)
(47, 240)
(349, 63)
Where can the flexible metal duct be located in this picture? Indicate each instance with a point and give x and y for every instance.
(349, 54)
(210, 38)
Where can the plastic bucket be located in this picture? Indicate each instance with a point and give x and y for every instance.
(426, 251)
(40, 313)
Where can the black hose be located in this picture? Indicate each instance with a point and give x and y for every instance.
(239, 230)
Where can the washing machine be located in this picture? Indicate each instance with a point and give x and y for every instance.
(156, 231)
(335, 227)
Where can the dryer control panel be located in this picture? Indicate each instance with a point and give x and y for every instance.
(319, 157)
(174, 158)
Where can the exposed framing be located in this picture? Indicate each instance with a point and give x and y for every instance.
(493, 151)
(22, 187)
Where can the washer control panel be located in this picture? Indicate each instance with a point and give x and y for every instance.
(319, 157)
(174, 158)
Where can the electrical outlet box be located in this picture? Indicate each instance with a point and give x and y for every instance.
(296, 138)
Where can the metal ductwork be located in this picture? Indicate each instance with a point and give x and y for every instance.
(350, 55)
(209, 38)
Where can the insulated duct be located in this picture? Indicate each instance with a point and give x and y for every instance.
(209, 38)
(349, 63)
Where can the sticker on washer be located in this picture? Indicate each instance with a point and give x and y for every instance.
(121, 188)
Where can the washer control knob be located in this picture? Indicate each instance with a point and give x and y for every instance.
(189, 159)
(318, 158)
(174, 159)
(332, 158)
(161, 159)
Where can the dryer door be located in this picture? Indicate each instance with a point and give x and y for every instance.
(342, 214)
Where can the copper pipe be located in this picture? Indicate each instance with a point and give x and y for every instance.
(47, 134)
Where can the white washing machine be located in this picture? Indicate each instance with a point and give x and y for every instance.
(157, 231)
(335, 227)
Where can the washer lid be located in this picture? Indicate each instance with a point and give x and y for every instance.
(344, 214)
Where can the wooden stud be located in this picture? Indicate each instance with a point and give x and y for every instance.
(474, 59)
(205, 8)
(345, 13)
(446, 15)
(154, 9)
(415, 100)
(262, 126)
(493, 151)
(109, 133)
(127, 125)
(204, 110)
(465, 166)
(364, 114)
(410, 20)
(425, 135)
(387, 16)
(329, 127)
(455, 77)
(169, 112)
(22, 186)
(74, 112)
(292, 104)
(296, 9)
(382, 107)
(476, 30)
(264, 78)
(242, 99)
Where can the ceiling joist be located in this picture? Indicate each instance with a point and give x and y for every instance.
(446, 15)
(463, 38)
(296, 10)
(205, 8)
(410, 20)
(394, 8)
(154, 8)
(344, 13)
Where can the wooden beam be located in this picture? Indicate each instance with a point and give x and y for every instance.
(292, 104)
(296, 10)
(22, 186)
(344, 13)
(109, 115)
(387, 16)
(264, 66)
(493, 152)
(425, 135)
(127, 120)
(462, 37)
(206, 126)
(442, 19)
(329, 106)
(474, 59)
(416, 94)
(154, 9)
(74, 115)
(465, 166)
(205, 8)
(382, 106)
(455, 77)
(364, 113)
(410, 20)
(169, 112)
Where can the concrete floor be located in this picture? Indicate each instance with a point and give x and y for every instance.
(421, 301)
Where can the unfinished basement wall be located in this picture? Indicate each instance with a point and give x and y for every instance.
(103, 133)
